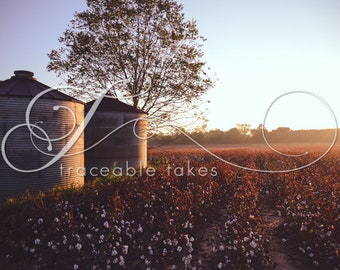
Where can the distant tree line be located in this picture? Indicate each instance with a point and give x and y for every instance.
(244, 134)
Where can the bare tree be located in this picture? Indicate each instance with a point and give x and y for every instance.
(146, 43)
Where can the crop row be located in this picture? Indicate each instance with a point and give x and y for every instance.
(155, 222)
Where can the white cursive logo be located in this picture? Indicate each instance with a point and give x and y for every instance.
(77, 133)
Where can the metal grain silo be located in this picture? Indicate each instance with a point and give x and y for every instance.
(126, 146)
(27, 148)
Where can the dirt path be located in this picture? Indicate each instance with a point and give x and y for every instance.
(278, 249)
(208, 241)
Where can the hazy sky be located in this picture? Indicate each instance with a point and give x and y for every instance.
(258, 50)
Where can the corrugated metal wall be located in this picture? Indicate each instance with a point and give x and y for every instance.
(120, 147)
(22, 154)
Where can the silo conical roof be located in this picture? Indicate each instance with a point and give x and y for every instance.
(23, 84)
(112, 104)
